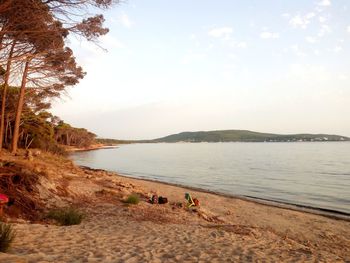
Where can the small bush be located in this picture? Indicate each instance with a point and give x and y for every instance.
(7, 234)
(66, 216)
(132, 199)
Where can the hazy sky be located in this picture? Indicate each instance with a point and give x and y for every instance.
(189, 65)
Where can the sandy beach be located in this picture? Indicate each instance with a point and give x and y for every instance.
(222, 229)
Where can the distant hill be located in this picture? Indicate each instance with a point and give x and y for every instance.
(245, 136)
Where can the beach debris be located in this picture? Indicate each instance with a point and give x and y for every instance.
(176, 205)
(191, 202)
(196, 201)
(158, 200)
(154, 199)
(162, 200)
(36, 152)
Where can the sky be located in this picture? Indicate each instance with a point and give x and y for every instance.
(191, 65)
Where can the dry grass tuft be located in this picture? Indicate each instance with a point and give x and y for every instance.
(132, 199)
(7, 235)
(66, 216)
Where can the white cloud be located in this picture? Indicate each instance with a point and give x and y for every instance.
(325, 29)
(322, 19)
(286, 15)
(302, 21)
(310, 15)
(348, 29)
(225, 33)
(221, 32)
(310, 39)
(325, 3)
(299, 21)
(269, 35)
(125, 20)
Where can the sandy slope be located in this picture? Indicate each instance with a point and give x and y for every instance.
(222, 230)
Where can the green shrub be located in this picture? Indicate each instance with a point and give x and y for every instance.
(66, 216)
(132, 199)
(7, 234)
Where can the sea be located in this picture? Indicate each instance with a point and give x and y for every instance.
(306, 174)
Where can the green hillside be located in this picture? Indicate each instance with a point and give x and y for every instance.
(245, 136)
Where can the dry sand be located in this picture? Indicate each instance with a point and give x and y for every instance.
(222, 230)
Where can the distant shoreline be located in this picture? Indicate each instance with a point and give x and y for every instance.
(74, 149)
(90, 148)
(234, 136)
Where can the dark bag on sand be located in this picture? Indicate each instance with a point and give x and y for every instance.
(162, 200)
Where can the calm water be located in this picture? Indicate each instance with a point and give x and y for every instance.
(311, 174)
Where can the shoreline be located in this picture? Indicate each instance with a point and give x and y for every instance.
(333, 214)
(90, 148)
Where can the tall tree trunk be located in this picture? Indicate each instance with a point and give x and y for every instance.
(2, 36)
(7, 128)
(19, 108)
(2, 33)
(4, 93)
(10, 131)
(68, 139)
